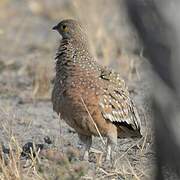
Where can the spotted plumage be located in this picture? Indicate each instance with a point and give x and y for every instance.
(85, 91)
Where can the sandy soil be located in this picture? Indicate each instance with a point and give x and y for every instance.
(27, 48)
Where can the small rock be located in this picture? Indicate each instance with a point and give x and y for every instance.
(47, 140)
(30, 147)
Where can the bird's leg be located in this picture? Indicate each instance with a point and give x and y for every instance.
(111, 141)
(108, 153)
(87, 140)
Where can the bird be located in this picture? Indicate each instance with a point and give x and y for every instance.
(92, 99)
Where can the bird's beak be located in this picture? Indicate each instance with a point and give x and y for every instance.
(55, 28)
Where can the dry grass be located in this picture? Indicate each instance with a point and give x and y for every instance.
(10, 167)
(27, 63)
(49, 163)
(105, 22)
(128, 170)
(41, 165)
(41, 82)
(54, 163)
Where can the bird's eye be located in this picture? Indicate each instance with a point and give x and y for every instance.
(64, 28)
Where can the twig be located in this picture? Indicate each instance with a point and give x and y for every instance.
(127, 151)
(144, 143)
(132, 170)
(109, 174)
(142, 173)
(93, 121)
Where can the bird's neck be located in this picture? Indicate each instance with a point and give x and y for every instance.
(74, 60)
(73, 52)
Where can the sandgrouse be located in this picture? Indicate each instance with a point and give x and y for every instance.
(91, 98)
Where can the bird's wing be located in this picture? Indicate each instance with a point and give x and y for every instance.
(115, 102)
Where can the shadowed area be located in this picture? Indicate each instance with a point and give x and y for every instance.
(160, 33)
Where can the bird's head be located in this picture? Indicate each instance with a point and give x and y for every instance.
(69, 29)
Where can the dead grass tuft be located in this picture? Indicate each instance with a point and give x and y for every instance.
(41, 82)
(46, 164)
(10, 164)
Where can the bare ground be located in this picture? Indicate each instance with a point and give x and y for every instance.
(27, 47)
